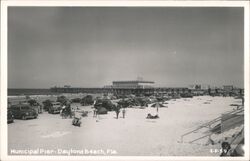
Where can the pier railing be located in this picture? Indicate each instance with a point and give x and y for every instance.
(208, 125)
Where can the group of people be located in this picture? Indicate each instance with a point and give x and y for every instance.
(77, 117)
(66, 111)
(117, 111)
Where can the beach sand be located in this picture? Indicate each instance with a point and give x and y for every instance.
(132, 136)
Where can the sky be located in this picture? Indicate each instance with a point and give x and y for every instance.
(93, 46)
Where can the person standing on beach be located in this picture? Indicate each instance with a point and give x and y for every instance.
(117, 110)
(97, 115)
(62, 109)
(68, 110)
(94, 115)
(123, 113)
(157, 107)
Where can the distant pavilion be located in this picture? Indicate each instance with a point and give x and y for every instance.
(132, 87)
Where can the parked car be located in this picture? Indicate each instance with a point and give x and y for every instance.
(23, 111)
(10, 117)
(186, 95)
(55, 108)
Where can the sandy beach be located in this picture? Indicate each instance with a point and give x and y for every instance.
(133, 135)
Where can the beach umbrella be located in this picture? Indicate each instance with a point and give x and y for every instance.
(157, 104)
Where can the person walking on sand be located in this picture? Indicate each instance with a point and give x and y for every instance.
(62, 111)
(97, 116)
(123, 113)
(117, 111)
(94, 115)
(157, 107)
(69, 110)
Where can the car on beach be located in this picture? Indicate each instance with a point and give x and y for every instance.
(23, 111)
(186, 95)
(55, 108)
(10, 117)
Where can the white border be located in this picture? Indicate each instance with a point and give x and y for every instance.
(5, 4)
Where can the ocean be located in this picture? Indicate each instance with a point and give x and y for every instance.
(28, 91)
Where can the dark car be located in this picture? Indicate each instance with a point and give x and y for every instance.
(23, 111)
(10, 117)
(55, 108)
(186, 95)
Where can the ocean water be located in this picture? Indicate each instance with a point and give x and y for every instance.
(28, 91)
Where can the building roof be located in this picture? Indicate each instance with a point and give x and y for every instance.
(134, 81)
